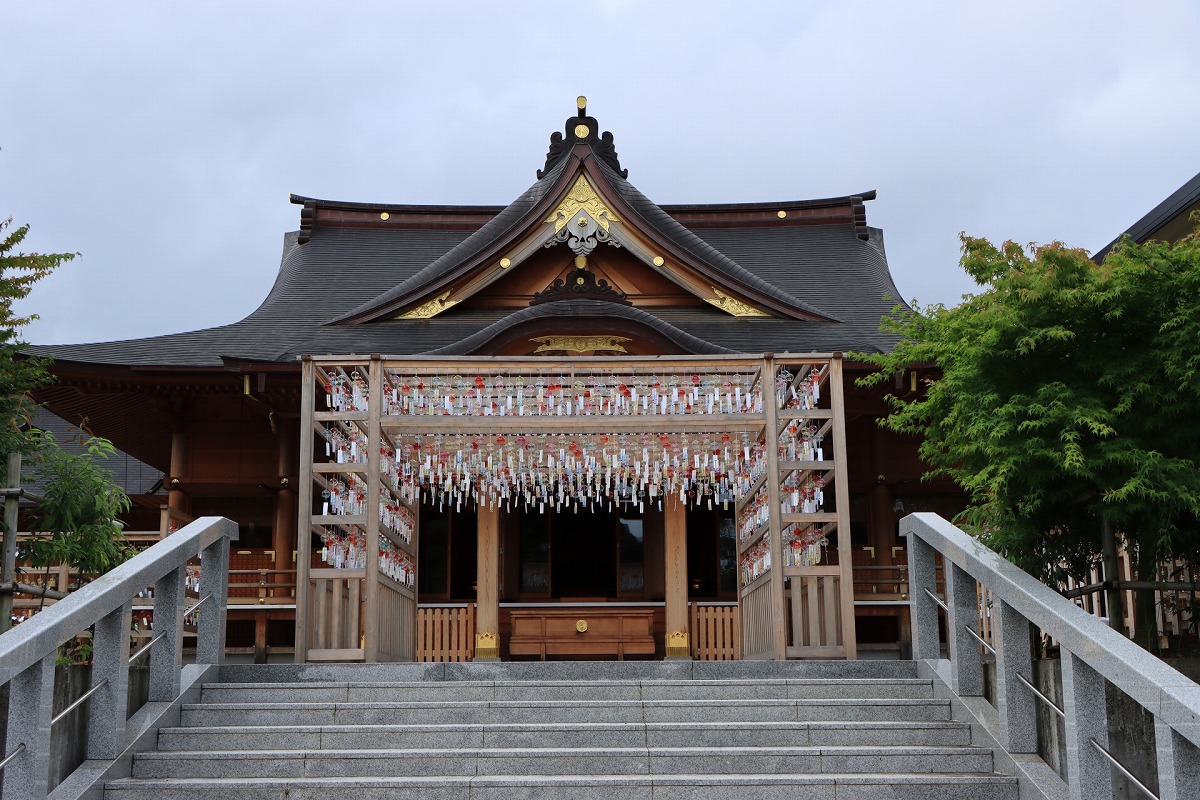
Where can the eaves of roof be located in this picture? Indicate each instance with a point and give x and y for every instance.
(1145, 228)
(575, 310)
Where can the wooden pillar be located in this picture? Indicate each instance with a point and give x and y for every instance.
(487, 583)
(176, 499)
(283, 532)
(678, 645)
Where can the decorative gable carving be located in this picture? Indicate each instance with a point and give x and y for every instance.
(580, 284)
(582, 220)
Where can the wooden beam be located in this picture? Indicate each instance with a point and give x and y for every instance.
(597, 423)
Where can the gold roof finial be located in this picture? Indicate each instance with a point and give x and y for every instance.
(581, 104)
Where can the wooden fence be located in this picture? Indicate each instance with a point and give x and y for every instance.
(716, 632)
(446, 633)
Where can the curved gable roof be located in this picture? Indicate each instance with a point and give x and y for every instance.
(593, 156)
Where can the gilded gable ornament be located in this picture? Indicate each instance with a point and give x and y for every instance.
(582, 220)
(579, 344)
(731, 305)
(431, 309)
(582, 197)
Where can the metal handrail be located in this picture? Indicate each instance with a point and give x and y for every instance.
(145, 648)
(937, 600)
(203, 600)
(979, 638)
(79, 701)
(20, 748)
(1124, 771)
(1053, 705)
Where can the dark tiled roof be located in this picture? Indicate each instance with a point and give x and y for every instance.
(341, 268)
(468, 248)
(1180, 201)
(703, 251)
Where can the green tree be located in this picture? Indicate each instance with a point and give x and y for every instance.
(1068, 401)
(19, 375)
(76, 523)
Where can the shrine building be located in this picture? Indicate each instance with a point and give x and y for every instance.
(582, 425)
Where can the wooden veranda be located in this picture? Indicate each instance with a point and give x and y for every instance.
(764, 434)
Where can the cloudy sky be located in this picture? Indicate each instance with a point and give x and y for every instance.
(161, 140)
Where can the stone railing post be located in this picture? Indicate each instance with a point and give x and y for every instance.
(1015, 704)
(166, 658)
(214, 585)
(1089, 774)
(110, 667)
(30, 706)
(962, 603)
(1178, 764)
(923, 611)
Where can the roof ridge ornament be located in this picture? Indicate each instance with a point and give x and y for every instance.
(582, 128)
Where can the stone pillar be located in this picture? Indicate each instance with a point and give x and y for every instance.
(110, 666)
(962, 600)
(923, 611)
(31, 702)
(166, 658)
(487, 584)
(1089, 773)
(678, 644)
(1178, 764)
(214, 584)
(1015, 703)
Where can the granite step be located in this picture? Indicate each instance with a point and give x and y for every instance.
(630, 731)
(327, 763)
(735, 786)
(582, 734)
(549, 712)
(427, 691)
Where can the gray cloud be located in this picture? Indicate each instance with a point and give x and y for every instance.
(161, 141)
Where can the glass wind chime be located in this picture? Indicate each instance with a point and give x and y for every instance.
(577, 471)
(795, 394)
(590, 395)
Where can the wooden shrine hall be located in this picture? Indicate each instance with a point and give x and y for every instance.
(581, 425)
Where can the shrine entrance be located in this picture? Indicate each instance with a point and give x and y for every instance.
(563, 492)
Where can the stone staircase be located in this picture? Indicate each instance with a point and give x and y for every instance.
(798, 730)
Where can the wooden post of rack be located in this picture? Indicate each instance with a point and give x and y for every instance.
(771, 444)
(371, 607)
(308, 379)
(842, 496)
